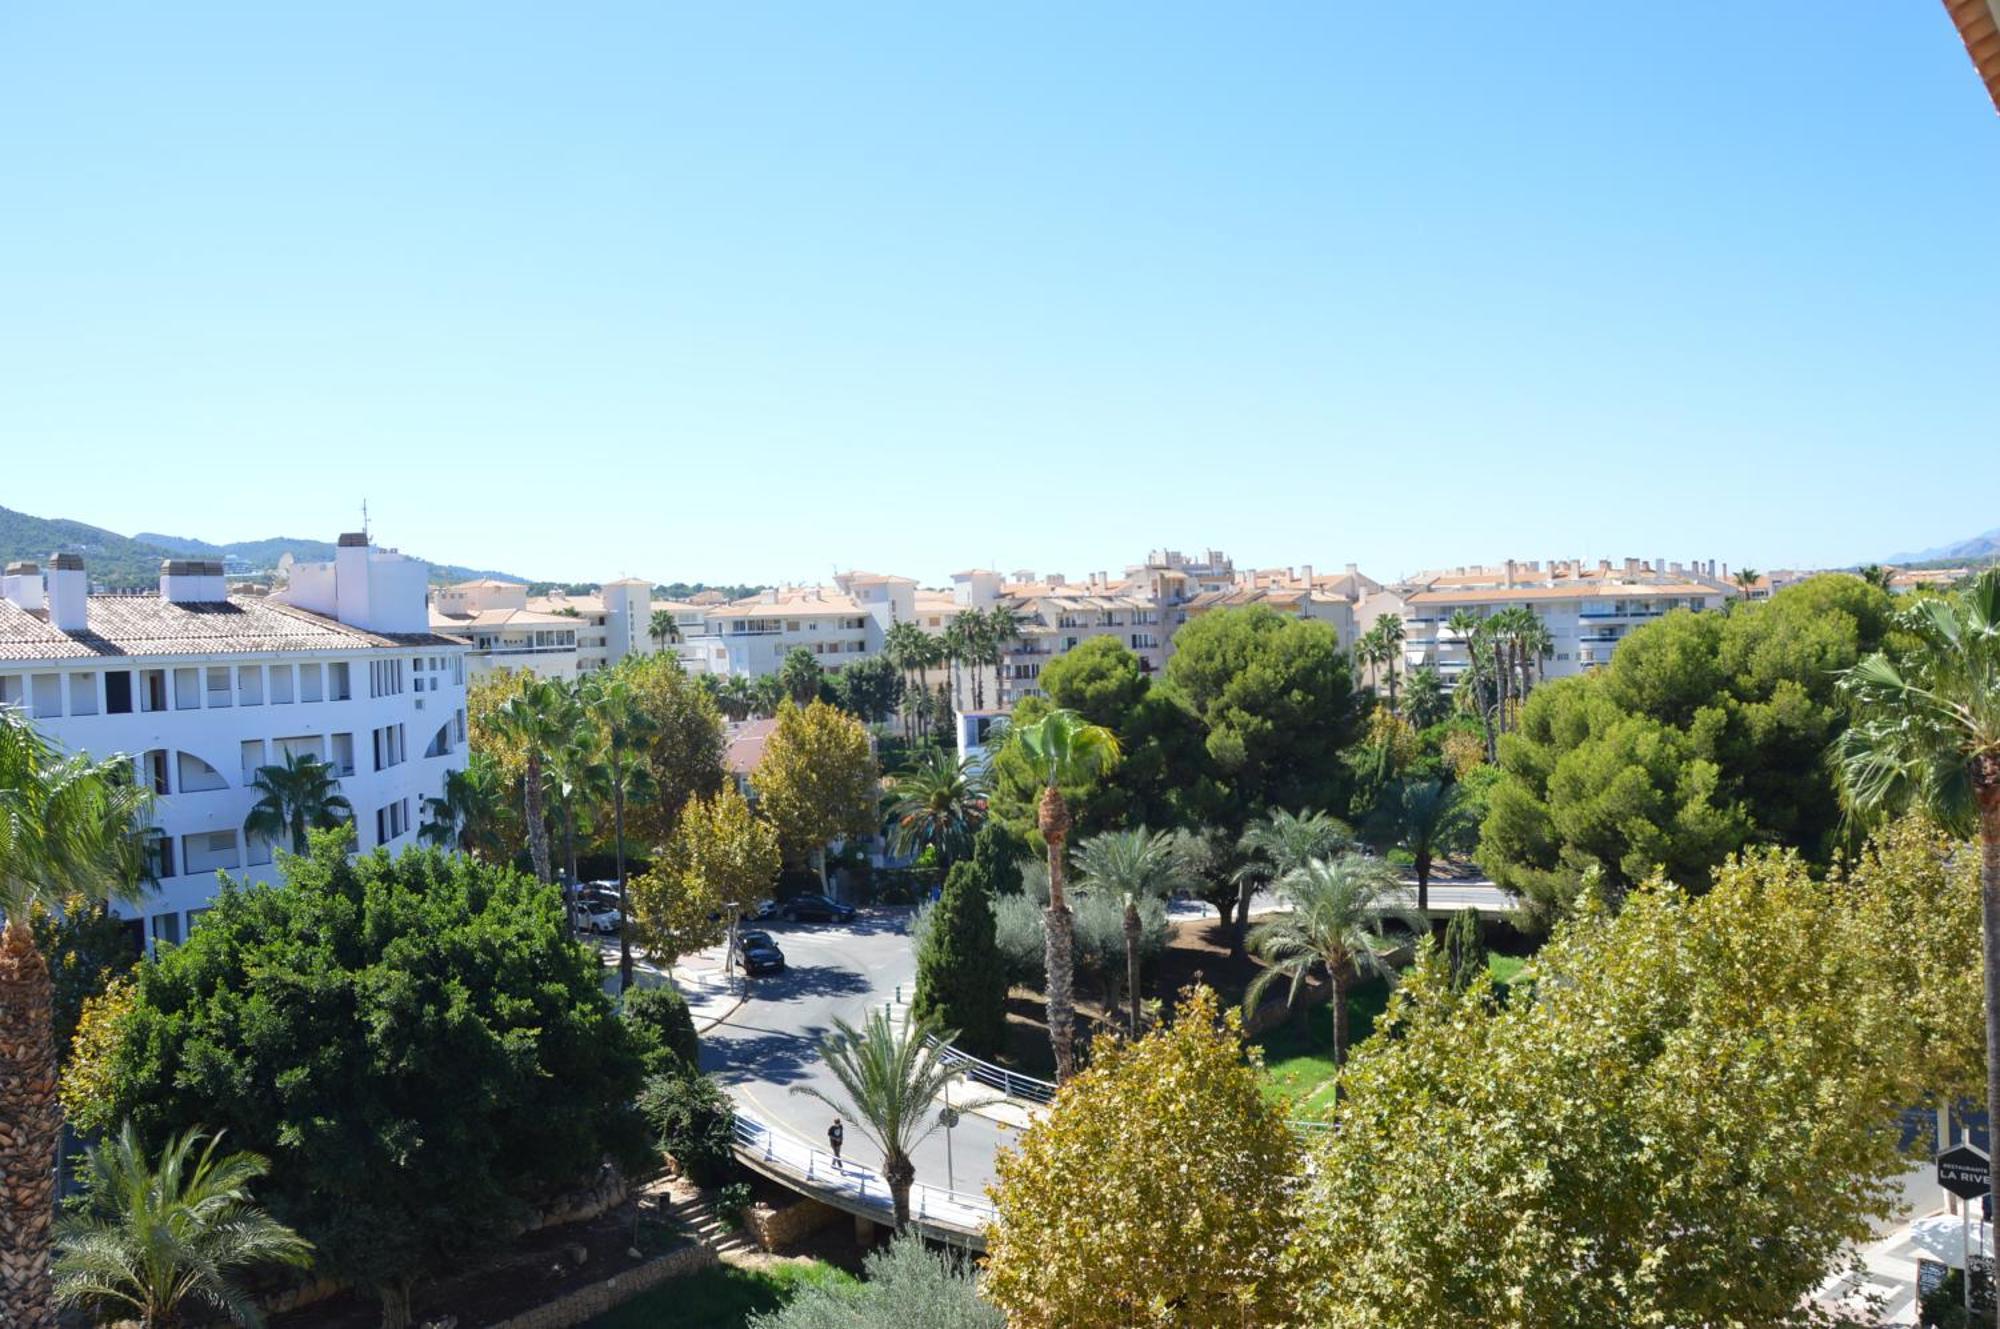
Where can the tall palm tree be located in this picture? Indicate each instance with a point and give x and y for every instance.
(1470, 629)
(614, 707)
(1388, 630)
(1339, 908)
(298, 793)
(1424, 699)
(767, 694)
(1537, 645)
(69, 826)
(940, 802)
(905, 645)
(662, 628)
(1003, 625)
(1062, 748)
(534, 719)
(1746, 580)
(1278, 844)
(963, 644)
(1926, 734)
(1135, 865)
(465, 816)
(149, 1239)
(889, 1076)
(577, 780)
(1429, 818)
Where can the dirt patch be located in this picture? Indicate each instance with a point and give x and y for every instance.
(534, 1269)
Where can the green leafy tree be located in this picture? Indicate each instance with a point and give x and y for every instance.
(1927, 735)
(816, 781)
(1683, 1125)
(1155, 1192)
(1706, 734)
(889, 1075)
(1429, 819)
(69, 830)
(86, 947)
(721, 862)
(1131, 867)
(961, 979)
(906, 1286)
(869, 689)
(680, 736)
(294, 796)
(1338, 924)
(938, 803)
(1061, 748)
(1276, 702)
(414, 1042)
(693, 1122)
(662, 1030)
(147, 1239)
(1425, 701)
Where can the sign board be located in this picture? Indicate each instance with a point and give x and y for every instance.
(1930, 1277)
(948, 1117)
(1965, 1171)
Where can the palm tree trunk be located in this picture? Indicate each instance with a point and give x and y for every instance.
(1339, 977)
(1132, 960)
(569, 889)
(1424, 884)
(395, 1304)
(1989, 896)
(624, 931)
(901, 1174)
(538, 831)
(30, 1121)
(1059, 945)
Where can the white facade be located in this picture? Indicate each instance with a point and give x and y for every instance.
(500, 631)
(201, 688)
(1587, 610)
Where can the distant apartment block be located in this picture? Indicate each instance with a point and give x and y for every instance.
(837, 624)
(553, 636)
(201, 688)
(1588, 609)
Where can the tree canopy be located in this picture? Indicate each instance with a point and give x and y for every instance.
(413, 1042)
(816, 781)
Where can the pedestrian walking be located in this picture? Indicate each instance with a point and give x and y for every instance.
(835, 1135)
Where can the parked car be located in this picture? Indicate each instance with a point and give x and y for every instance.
(760, 954)
(599, 916)
(765, 911)
(816, 909)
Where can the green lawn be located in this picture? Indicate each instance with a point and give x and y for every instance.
(1298, 1054)
(720, 1298)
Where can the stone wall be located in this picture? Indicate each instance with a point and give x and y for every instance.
(587, 1303)
(779, 1229)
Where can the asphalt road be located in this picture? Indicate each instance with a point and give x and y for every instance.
(770, 1044)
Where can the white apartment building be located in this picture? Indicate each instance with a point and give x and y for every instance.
(838, 624)
(610, 625)
(1587, 610)
(201, 688)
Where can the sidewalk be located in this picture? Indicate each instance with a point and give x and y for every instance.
(1889, 1266)
(712, 994)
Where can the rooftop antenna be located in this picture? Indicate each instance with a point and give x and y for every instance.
(364, 519)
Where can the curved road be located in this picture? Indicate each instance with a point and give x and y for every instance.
(770, 1044)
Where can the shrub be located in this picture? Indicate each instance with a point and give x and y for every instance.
(909, 1286)
(693, 1122)
(961, 976)
(1465, 948)
(663, 1030)
(732, 1202)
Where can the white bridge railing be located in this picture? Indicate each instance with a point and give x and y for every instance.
(1011, 1083)
(854, 1183)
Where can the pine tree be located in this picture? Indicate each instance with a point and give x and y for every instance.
(961, 982)
(1465, 948)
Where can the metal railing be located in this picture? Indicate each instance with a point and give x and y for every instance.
(851, 1181)
(1011, 1083)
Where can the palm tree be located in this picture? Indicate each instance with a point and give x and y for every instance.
(577, 780)
(1746, 580)
(615, 709)
(69, 826)
(1062, 748)
(533, 719)
(963, 645)
(938, 802)
(906, 646)
(1429, 818)
(1424, 699)
(1135, 865)
(1339, 906)
(1877, 576)
(662, 629)
(301, 792)
(1537, 644)
(1388, 632)
(1003, 625)
(465, 816)
(889, 1077)
(800, 676)
(1278, 844)
(1926, 734)
(149, 1239)
(1470, 629)
(767, 694)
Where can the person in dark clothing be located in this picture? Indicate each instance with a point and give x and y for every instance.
(835, 1135)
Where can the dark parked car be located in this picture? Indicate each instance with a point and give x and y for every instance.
(816, 909)
(760, 954)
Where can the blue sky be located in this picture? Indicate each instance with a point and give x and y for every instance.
(751, 291)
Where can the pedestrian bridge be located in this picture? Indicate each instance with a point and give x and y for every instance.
(949, 1216)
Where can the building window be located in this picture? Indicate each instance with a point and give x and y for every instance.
(338, 685)
(309, 683)
(45, 692)
(281, 685)
(153, 772)
(253, 758)
(187, 689)
(159, 856)
(343, 754)
(118, 691)
(297, 745)
(83, 694)
(166, 928)
(197, 776)
(220, 694)
(388, 742)
(250, 685)
(10, 689)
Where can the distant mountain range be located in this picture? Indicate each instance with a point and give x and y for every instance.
(133, 562)
(1977, 549)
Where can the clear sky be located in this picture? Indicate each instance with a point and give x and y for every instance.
(747, 291)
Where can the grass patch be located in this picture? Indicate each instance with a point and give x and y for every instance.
(1504, 968)
(1298, 1054)
(723, 1297)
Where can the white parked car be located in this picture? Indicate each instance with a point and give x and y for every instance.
(601, 918)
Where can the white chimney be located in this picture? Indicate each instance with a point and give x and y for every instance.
(69, 594)
(350, 579)
(21, 585)
(1306, 575)
(192, 581)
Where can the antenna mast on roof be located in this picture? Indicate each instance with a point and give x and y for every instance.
(364, 519)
